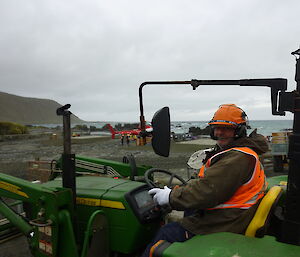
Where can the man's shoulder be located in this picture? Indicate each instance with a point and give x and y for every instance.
(236, 153)
(258, 143)
(229, 155)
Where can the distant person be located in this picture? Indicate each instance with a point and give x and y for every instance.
(228, 188)
(122, 139)
(127, 140)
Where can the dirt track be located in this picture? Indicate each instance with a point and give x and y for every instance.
(15, 154)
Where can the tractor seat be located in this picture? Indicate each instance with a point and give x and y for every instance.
(260, 221)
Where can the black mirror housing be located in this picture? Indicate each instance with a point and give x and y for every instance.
(161, 132)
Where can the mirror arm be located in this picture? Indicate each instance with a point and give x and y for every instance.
(277, 85)
(155, 83)
(142, 118)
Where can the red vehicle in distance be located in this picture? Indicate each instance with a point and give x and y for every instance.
(131, 132)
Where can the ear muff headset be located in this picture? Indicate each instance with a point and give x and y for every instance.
(241, 129)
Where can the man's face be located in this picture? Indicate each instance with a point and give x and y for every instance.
(225, 135)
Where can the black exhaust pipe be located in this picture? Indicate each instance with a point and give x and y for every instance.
(68, 159)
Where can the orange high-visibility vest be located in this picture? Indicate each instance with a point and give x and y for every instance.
(247, 194)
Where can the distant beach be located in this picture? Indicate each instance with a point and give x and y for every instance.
(264, 127)
(200, 141)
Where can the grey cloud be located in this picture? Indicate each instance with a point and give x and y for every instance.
(94, 54)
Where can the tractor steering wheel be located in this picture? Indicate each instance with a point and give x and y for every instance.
(149, 174)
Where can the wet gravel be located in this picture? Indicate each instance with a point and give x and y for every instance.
(15, 154)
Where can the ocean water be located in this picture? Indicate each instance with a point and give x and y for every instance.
(264, 127)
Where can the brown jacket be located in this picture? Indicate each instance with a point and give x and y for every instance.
(225, 175)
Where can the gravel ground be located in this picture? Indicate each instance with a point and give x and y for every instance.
(15, 154)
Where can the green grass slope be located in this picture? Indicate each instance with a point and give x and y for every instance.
(26, 110)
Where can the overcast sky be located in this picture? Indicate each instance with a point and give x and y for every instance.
(94, 54)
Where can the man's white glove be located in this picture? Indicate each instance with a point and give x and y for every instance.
(161, 196)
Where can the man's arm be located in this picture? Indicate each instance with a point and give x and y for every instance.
(221, 181)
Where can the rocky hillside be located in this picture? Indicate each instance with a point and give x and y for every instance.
(26, 110)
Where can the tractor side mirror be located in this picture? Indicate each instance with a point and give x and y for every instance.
(161, 132)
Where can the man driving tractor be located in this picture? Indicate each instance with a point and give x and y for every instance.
(229, 186)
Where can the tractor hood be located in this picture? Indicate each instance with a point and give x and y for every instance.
(97, 187)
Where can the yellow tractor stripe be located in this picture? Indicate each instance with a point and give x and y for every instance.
(98, 202)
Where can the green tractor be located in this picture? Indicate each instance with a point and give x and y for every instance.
(112, 214)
